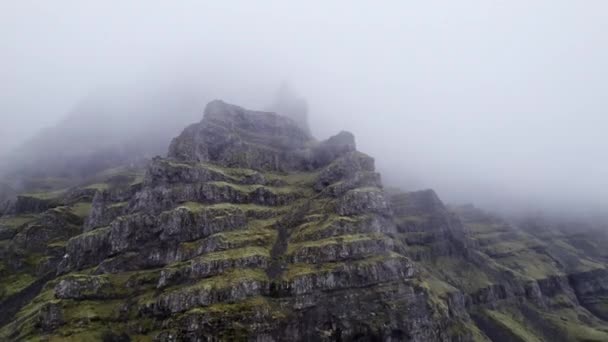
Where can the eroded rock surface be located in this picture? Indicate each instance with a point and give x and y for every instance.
(250, 229)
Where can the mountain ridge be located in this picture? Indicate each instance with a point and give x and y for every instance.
(250, 229)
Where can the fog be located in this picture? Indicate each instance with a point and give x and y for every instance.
(500, 103)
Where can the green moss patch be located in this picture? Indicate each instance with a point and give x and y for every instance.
(89, 310)
(225, 280)
(486, 227)
(234, 173)
(48, 195)
(118, 176)
(251, 210)
(258, 234)
(302, 269)
(577, 326)
(253, 187)
(236, 253)
(16, 221)
(118, 204)
(460, 273)
(303, 179)
(337, 240)
(23, 327)
(97, 186)
(14, 283)
(309, 230)
(530, 264)
(516, 327)
(246, 306)
(81, 209)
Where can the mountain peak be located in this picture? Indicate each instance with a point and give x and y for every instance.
(236, 137)
(251, 229)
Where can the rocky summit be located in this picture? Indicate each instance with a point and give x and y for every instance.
(250, 229)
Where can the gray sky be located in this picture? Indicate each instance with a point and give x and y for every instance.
(485, 101)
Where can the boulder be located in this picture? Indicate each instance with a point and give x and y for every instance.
(81, 287)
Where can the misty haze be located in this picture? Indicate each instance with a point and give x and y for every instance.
(327, 171)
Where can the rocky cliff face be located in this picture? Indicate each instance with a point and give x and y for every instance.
(521, 283)
(248, 229)
(252, 230)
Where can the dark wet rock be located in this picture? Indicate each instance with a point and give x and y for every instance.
(50, 317)
(103, 211)
(129, 261)
(182, 224)
(591, 290)
(7, 232)
(457, 303)
(533, 292)
(554, 285)
(86, 249)
(53, 225)
(110, 336)
(30, 204)
(595, 281)
(345, 314)
(130, 231)
(491, 295)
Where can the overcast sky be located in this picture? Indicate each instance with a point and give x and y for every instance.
(485, 101)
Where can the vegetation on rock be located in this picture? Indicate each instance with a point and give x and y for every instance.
(252, 230)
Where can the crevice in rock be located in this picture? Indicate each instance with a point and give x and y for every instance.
(11, 305)
(277, 254)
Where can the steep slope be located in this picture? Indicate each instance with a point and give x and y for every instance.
(517, 283)
(249, 229)
(36, 227)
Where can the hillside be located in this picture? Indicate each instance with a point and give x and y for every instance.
(251, 229)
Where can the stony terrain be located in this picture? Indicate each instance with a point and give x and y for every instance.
(250, 229)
